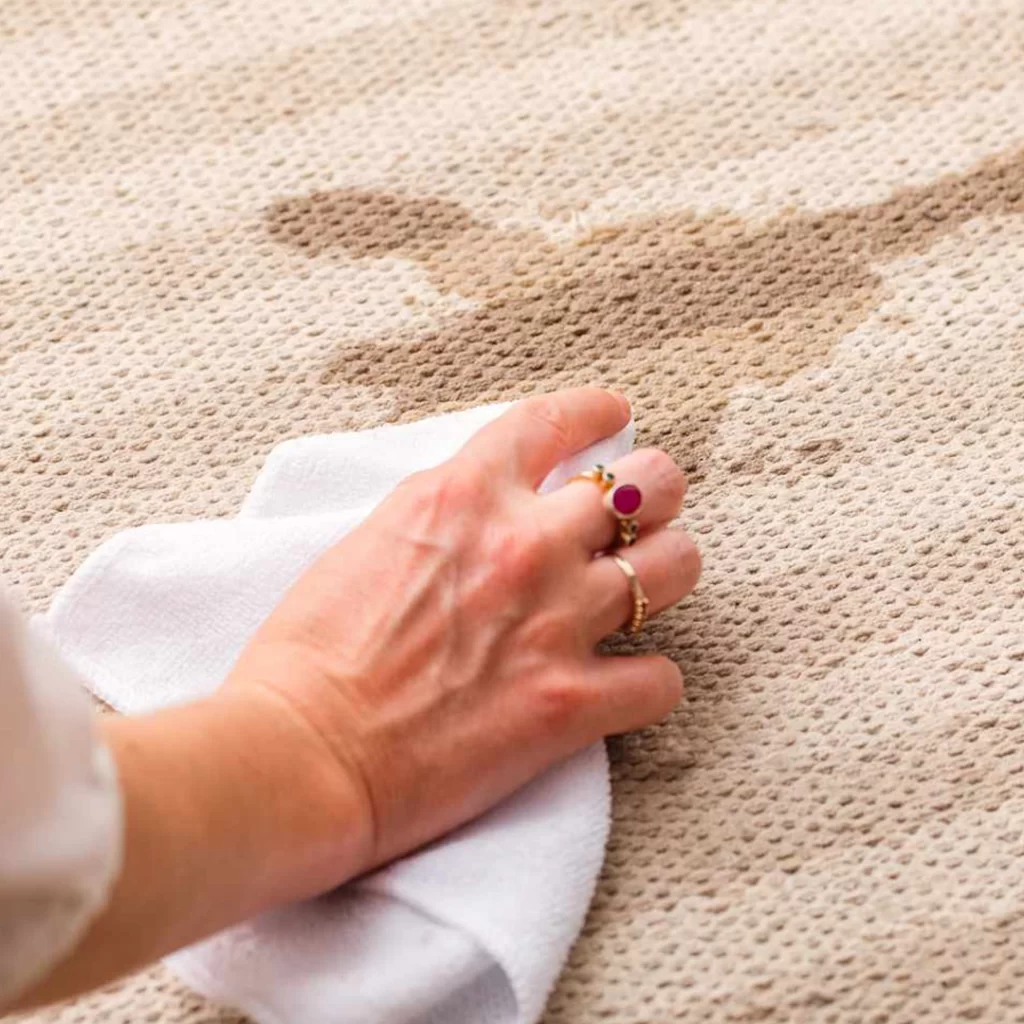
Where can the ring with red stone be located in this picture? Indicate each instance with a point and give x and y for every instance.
(624, 501)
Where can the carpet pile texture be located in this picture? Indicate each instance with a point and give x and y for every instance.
(791, 231)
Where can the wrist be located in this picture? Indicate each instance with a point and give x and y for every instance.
(229, 811)
(303, 816)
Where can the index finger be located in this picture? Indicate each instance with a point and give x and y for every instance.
(535, 435)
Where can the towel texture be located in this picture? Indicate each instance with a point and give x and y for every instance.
(791, 230)
(472, 930)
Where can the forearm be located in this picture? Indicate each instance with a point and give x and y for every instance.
(229, 809)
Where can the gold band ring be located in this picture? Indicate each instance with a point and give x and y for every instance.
(641, 602)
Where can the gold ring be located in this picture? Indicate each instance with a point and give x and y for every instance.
(622, 500)
(641, 602)
(604, 478)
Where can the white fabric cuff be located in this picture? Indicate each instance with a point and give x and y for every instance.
(60, 808)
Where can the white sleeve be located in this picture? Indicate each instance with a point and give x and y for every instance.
(60, 808)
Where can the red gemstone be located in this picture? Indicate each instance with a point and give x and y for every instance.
(626, 499)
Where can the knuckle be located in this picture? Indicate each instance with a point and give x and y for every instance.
(550, 632)
(517, 556)
(549, 537)
(552, 416)
(440, 493)
(560, 698)
(415, 483)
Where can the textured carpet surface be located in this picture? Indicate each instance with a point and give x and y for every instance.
(792, 232)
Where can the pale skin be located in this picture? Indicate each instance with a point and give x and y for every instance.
(425, 667)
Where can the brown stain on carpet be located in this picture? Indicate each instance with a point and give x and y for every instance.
(676, 309)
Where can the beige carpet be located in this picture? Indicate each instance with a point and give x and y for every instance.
(792, 231)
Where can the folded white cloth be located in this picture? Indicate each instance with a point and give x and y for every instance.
(473, 929)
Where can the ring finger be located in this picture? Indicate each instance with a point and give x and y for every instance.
(578, 509)
(667, 565)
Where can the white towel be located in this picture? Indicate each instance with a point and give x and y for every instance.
(473, 929)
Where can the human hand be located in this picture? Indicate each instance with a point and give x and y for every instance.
(423, 668)
(443, 653)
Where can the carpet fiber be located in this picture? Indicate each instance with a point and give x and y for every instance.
(791, 231)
